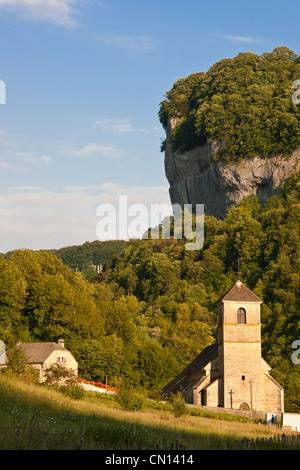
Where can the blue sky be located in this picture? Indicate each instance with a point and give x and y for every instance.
(84, 79)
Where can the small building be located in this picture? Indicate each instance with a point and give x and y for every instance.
(291, 421)
(231, 373)
(43, 355)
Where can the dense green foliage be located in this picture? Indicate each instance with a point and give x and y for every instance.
(86, 257)
(83, 257)
(153, 308)
(243, 103)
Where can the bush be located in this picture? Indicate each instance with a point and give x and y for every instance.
(60, 375)
(74, 391)
(129, 399)
(178, 405)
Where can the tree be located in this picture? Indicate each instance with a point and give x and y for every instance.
(65, 379)
(120, 318)
(244, 102)
(179, 407)
(128, 398)
(12, 299)
(58, 374)
(99, 358)
(18, 363)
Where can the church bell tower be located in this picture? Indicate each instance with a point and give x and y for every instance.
(239, 349)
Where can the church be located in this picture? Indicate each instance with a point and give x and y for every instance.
(232, 373)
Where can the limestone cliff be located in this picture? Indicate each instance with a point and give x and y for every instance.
(196, 178)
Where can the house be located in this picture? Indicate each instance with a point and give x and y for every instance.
(232, 373)
(43, 355)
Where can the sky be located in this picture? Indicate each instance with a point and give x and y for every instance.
(83, 80)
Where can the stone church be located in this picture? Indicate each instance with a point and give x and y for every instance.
(232, 373)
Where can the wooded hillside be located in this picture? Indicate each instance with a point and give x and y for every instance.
(152, 310)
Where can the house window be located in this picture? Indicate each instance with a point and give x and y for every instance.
(61, 359)
(241, 315)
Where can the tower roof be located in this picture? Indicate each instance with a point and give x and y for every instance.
(239, 292)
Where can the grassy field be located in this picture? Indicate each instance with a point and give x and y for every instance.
(34, 417)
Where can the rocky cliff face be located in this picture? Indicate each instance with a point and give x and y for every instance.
(196, 178)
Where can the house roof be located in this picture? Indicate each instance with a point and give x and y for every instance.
(206, 356)
(39, 352)
(240, 292)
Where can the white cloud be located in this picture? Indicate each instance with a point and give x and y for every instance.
(45, 158)
(129, 43)
(35, 219)
(121, 126)
(238, 38)
(60, 12)
(27, 157)
(118, 126)
(4, 164)
(22, 188)
(96, 149)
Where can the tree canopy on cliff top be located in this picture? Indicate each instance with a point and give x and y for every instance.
(244, 103)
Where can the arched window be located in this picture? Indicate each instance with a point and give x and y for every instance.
(244, 406)
(241, 315)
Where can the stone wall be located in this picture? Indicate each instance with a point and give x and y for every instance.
(247, 414)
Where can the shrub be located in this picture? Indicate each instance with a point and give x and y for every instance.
(129, 399)
(74, 391)
(58, 375)
(178, 405)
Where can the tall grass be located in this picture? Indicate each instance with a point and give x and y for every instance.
(43, 417)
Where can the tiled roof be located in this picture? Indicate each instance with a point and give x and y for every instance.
(239, 292)
(39, 352)
(206, 356)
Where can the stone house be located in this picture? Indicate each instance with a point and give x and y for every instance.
(43, 355)
(231, 373)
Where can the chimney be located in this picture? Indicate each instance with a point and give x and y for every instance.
(61, 343)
